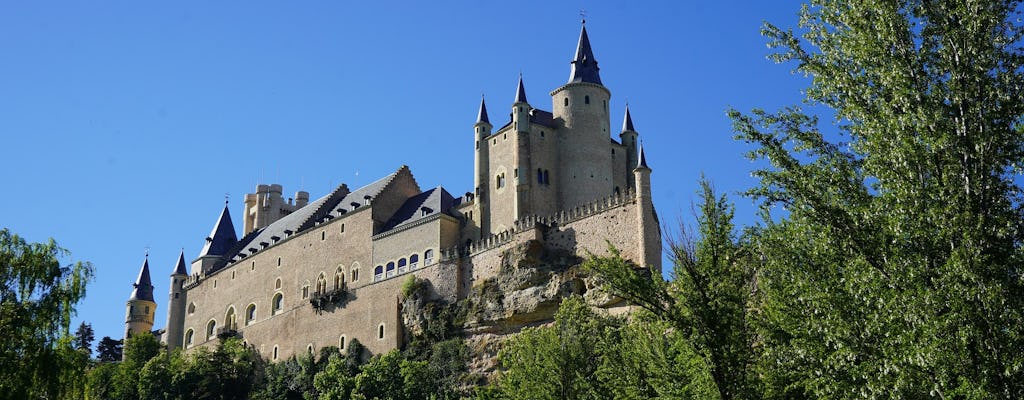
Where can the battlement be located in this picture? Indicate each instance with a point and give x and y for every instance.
(537, 226)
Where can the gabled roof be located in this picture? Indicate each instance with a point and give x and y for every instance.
(584, 65)
(143, 285)
(222, 238)
(482, 115)
(326, 207)
(424, 205)
(179, 268)
(537, 116)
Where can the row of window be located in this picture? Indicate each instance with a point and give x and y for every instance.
(211, 327)
(391, 269)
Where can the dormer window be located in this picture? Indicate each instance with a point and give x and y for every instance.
(366, 200)
(424, 211)
(354, 205)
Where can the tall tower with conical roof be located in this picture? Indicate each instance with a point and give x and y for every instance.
(585, 166)
(628, 137)
(140, 307)
(222, 238)
(176, 304)
(481, 171)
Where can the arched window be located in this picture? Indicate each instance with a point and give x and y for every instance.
(401, 265)
(276, 304)
(380, 331)
(355, 272)
(586, 99)
(189, 334)
(547, 181)
(305, 291)
(339, 278)
(277, 283)
(414, 261)
(250, 314)
(390, 270)
(378, 273)
(275, 352)
(321, 284)
(341, 342)
(428, 257)
(192, 308)
(309, 349)
(229, 318)
(540, 175)
(211, 328)
(566, 101)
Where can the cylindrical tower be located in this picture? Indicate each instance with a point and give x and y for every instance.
(140, 306)
(628, 138)
(521, 156)
(481, 161)
(176, 304)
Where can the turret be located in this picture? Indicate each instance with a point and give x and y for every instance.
(481, 131)
(582, 106)
(140, 306)
(521, 109)
(176, 304)
(222, 238)
(648, 228)
(521, 157)
(628, 138)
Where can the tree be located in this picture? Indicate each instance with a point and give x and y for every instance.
(108, 350)
(894, 268)
(84, 336)
(37, 300)
(704, 308)
(558, 361)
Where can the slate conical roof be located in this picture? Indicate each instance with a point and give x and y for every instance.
(482, 116)
(520, 91)
(180, 268)
(143, 285)
(222, 238)
(584, 65)
(642, 163)
(627, 122)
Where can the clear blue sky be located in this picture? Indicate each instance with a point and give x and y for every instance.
(124, 124)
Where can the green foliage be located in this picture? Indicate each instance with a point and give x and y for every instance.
(558, 361)
(37, 300)
(409, 286)
(108, 350)
(705, 347)
(894, 269)
(84, 336)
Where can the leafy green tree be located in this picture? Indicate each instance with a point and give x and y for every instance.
(138, 350)
(337, 380)
(556, 362)
(893, 268)
(99, 381)
(37, 300)
(108, 350)
(704, 308)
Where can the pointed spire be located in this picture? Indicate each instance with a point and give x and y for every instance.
(482, 116)
(143, 285)
(521, 92)
(584, 65)
(627, 122)
(179, 268)
(222, 238)
(642, 163)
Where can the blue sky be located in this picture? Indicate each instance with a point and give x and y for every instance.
(124, 124)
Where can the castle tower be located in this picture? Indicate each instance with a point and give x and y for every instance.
(176, 304)
(482, 130)
(267, 205)
(582, 106)
(140, 306)
(628, 138)
(222, 238)
(521, 174)
(648, 229)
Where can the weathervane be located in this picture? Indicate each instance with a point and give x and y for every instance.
(583, 16)
(226, 197)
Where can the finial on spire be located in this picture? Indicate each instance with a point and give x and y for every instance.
(227, 196)
(521, 91)
(583, 16)
(482, 115)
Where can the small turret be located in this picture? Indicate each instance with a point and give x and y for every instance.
(648, 228)
(176, 304)
(140, 306)
(628, 137)
(482, 130)
(521, 109)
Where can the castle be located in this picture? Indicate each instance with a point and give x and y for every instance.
(311, 274)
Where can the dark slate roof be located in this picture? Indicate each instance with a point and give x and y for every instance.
(180, 269)
(326, 207)
(627, 122)
(521, 92)
(424, 205)
(537, 116)
(222, 238)
(584, 65)
(482, 116)
(642, 163)
(143, 285)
